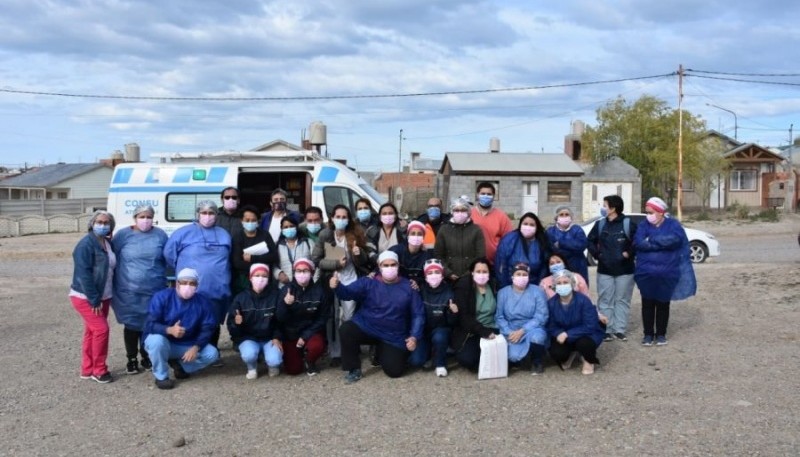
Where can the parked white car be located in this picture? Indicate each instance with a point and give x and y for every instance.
(702, 244)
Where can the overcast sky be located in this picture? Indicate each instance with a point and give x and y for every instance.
(299, 48)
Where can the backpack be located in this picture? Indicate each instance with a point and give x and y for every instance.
(626, 226)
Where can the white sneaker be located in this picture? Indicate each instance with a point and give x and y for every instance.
(274, 371)
(441, 372)
(251, 374)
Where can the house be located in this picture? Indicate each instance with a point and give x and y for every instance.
(59, 181)
(525, 182)
(611, 177)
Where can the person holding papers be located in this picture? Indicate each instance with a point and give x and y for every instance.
(251, 245)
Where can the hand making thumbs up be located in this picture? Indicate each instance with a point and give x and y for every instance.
(289, 298)
(176, 330)
(334, 283)
(453, 307)
(238, 319)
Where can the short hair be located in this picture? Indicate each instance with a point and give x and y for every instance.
(615, 201)
(222, 194)
(289, 219)
(313, 209)
(250, 208)
(363, 200)
(278, 191)
(485, 185)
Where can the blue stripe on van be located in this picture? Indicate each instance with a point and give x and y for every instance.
(328, 174)
(152, 176)
(182, 175)
(217, 174)
(318, 188)
(123, 175)
(185, 190)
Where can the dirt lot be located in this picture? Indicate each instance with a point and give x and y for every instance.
(727, 384)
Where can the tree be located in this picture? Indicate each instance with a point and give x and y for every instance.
(645, 134)
(709, 169)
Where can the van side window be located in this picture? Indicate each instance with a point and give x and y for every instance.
(181, 207)
(339, 196)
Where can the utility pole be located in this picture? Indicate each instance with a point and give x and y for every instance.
(680, 142)
(735, 120)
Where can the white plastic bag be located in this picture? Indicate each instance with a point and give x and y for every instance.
(494, 358)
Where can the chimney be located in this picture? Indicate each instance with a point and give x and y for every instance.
(494, 145)
(414, 157)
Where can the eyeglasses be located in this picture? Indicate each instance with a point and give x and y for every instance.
(207, 213)
(187, 282)
(230, 197)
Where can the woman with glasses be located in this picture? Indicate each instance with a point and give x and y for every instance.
(141, 272)
(459, 242)
(250, 235)
(91, 291)
(527, 244)
(207, 248)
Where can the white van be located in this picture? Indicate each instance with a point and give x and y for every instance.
(175, 185)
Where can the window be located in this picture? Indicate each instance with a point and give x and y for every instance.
(559, 191)
(743, 180)
(63, 195)
(339, 196)
(182, 207)
(687, 185)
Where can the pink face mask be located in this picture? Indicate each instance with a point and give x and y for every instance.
(564, 221)
(303, 278)
(259, 282)
(389, 273)
(415, 240)
(230, 204)
(480, 278)
(207, 220)
(186, 291)
(460, 217)
(528, 230)
(434, 279)
(144, 225)
(387, 219)
(652, 218)
(520, 282)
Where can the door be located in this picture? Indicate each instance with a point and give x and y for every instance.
(530, 197)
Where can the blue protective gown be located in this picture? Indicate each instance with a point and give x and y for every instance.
(516, 310)
(208, 251)
(141, 271)
(570, 244)
(578, 318)
(514, 249)
(166, 308)
(664, 269)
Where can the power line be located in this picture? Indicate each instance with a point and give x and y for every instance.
(744, 74)
(332, 97)
(776, 83)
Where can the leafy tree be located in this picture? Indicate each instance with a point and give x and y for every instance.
(707, 168)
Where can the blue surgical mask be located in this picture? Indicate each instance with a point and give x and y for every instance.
(363, 215)
(250, 226)
(485, 200)
(340, 224)
(289, 232)
(313, 228)
(563, 289)
(434, 213)
(603, 211)
(101, 230)
(556, 267)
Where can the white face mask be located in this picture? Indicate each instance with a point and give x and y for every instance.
(259, 282)
(186, 291)
(415, 240)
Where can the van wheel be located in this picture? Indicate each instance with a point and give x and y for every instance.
(698, 252)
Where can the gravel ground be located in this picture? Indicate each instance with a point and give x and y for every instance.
(725, 385)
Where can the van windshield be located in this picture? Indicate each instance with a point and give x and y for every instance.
(373, 193)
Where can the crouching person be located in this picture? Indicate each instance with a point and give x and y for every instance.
(178, 330)
(391, 316)
(253, 324)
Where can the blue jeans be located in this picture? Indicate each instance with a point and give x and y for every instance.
(162, 350)
(614, 300)
(250, 350)
(438, 340)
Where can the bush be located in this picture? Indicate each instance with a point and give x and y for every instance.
(702, 216)
(739, 211)
(769, 215)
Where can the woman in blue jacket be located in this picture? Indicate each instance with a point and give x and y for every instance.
(527, 244)
(664, 270)
(569, 240)
(141, 272)
(573, 325)
(91, 291)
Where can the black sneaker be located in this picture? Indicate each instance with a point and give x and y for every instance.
(621, 336)
(103, 379)
(133, 367)
(538, 369)
(147, 364)
(180, 373)
(609, 337)
(311, 368)
(165, 384)
(353, 376)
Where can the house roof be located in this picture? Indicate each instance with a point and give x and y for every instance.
(612, 167)
(277, 145)
(730, 142)
(49, 175)
(510, 163)
(752, 152)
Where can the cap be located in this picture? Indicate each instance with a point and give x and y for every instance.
(188, 273)
(657, 204)
(206, 204)
(415, 225)
(431, 265)
(387, 255)
(256, 267)
(303, 262)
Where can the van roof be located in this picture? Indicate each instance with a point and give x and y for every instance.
(235, 156)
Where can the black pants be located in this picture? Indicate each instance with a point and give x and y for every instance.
(133, 344)
(214, 341)
(393, 359)
(585, 346)
(469, 356)
(654, 311)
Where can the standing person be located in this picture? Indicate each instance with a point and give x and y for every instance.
(229, 217)
(206, 247)
(303, 310)
(527, 244)
(611, 243)
(391, 315)
(569, 240)
(250, 235)
(365, 217)
(253, 323)
(271, 220)
(441, 314)
(91, 291)
(459, 241)
(494, 222)
(342, 250)
(433, 218)
(521, 317)
(292, 245)
(664, 269)
(312, 224)
(412, 255)
(178, 330)
(388, 232)
(476, 295)
(573, 325)
(141, 272)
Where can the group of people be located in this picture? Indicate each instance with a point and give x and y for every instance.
(290, 288)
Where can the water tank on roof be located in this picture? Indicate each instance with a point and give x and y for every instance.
(117, 155)
(318, 133)
(131, 152)
(494, 145)
(578, 127)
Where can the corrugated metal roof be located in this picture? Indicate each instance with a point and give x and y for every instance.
(49, 175)
(504, 162)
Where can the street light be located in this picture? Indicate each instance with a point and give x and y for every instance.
(735, 120)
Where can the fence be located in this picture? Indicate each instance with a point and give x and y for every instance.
(47, 208)
(32, 225)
